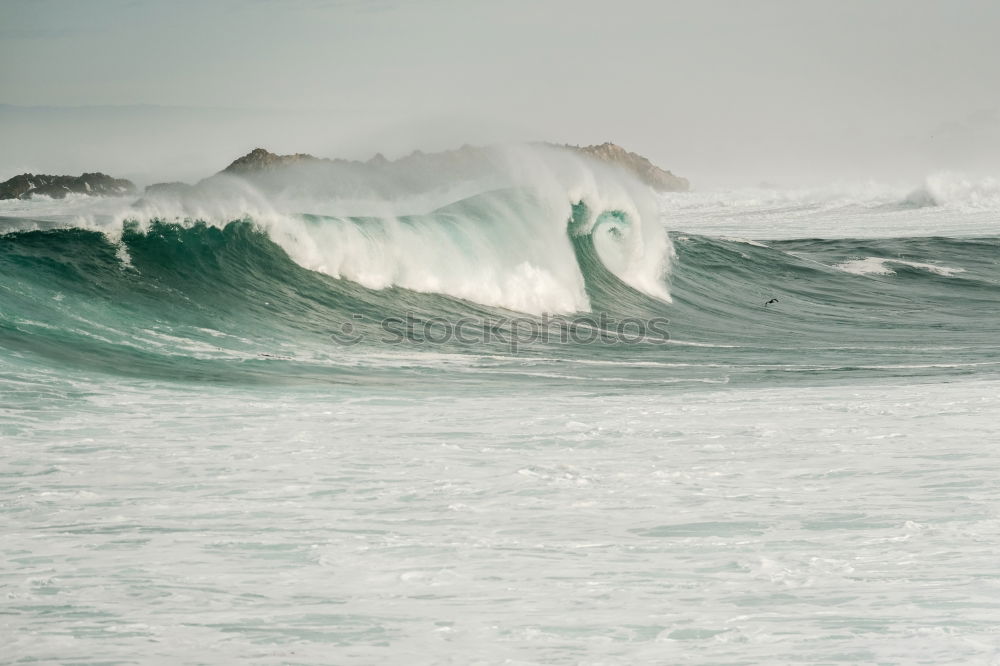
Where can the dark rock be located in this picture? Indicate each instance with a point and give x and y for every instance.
(160, 192)
(28, 185)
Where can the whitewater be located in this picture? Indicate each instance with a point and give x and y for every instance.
(313, 416)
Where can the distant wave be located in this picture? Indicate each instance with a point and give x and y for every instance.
(943, 204)
(200, 301)
(956, 190)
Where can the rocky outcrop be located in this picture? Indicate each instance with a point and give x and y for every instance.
(28, 185)
(646, 171)
(258, 160)
(167, 189)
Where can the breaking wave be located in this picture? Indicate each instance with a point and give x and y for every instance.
(251, 279)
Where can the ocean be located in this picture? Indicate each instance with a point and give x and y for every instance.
(530, 413)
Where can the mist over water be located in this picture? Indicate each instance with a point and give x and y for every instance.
(726, 94)
(163, 143)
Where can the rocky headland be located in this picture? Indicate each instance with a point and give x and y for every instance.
(646, 171)
(28, 185)
(260, 161)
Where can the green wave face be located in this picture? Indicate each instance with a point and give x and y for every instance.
(196, 302)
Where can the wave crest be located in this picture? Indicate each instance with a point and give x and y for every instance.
(492, 229)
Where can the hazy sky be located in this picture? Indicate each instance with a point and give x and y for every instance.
(720, 91)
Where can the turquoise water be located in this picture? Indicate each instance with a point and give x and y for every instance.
(214, 448)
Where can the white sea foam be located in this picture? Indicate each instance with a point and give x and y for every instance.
(800, 524)
(496, 237)
(745, 241)
(944, 204)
